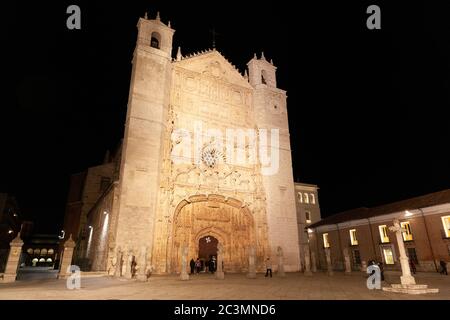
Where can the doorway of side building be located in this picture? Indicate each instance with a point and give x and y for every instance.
(207, 252)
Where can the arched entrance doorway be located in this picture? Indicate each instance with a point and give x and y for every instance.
(207, 251)
(224, 220)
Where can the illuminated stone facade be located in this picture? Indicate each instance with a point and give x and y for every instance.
(160, 205)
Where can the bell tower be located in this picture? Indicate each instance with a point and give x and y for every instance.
(270, 109)
(145, 125)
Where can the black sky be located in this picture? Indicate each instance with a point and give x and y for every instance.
(367, 108)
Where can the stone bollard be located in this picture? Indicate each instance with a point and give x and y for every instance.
(13, 259)
(64, 271)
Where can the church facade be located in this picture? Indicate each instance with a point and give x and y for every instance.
(205, 160)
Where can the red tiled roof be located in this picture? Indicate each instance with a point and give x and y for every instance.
(428, 200)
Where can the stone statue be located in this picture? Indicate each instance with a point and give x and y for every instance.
(280, 271)
(184, 256)
(219, 272)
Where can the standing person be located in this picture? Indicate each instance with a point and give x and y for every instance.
(192, 265)
(198, 265)
(381, 270)
(443, 267)
(268, 267)
(412, 266)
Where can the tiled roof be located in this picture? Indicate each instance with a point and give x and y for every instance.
(428, 200)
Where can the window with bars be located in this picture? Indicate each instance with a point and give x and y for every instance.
(356, 257)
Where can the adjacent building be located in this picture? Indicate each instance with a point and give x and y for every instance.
(365, 233)
(308, 212)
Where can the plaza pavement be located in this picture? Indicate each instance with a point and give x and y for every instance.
(295, 286)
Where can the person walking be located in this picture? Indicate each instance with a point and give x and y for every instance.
(443, 267)
(198, 265)
(380, 265)
(192, 265)
(268, 267)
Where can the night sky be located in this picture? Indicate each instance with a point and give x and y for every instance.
(367, 108)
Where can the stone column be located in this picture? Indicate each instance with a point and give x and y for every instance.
(406, 277)
(13, 259)
(280, 271)
(329, 266)
(313, 262)
(142, 265)
(348, 266)
(306, 252)
(219, 272)
(184, 256)
(64, 271)
(251, 262)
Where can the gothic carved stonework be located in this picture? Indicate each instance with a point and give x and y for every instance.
(226, 219)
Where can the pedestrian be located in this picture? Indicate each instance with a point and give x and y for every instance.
(443, 267)
(198, 265)
(380, 265)
(268, 267)
(192, 265)
(412, 266)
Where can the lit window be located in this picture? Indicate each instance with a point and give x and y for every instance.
(446, 224)
(383, 234)
(313, 198)
(306, 198)
(388, 256)
(308, 216)
(353, 239)
(407, 234)
(326, 243)
(300, 197)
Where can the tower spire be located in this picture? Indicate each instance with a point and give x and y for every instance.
(214, 34)
(179, 56)
(157, 16)
(262, 56)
